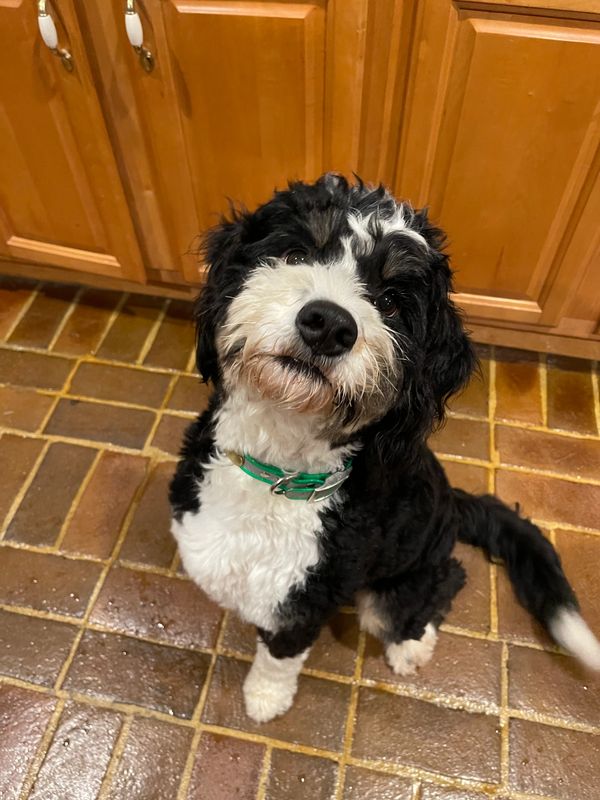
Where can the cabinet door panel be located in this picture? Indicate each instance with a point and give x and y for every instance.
(249, 78)
(61, 200)
(504, 149)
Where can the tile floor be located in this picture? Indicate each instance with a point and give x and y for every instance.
(118, 679)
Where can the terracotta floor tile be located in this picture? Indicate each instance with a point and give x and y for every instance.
(431, 792)
(550, 499)
(189, 394)
(99, 516)
(225, 768)
(553, 684)
(471, 606)
(364, 784)
(467, 476)
(401, 730)
(33, 649)
(23, 409)
(39, 518)
(122, 384)
(129, 670)
(170, 609)
(78, 419)
(129, 331)
(570, 395)
(225, 707)
(460, 667)
(84, 327)
(296, 777)
(580, 555)
(518, 393)
(43, 316)
(152, 762)
(24, 715)
(148, 539)
(17, 457)
(33, 369)
(474, 399)
(14, 293)
(514, 622)
(175, 339)
(548, 451)
(553, 761)
(78, 757)
(169, 433)
(46, 582)
(462, 437)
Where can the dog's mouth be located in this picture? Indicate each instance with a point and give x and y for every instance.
(302, 368)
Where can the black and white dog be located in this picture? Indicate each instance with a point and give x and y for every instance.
(327, 330)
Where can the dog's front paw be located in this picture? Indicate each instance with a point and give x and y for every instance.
(407, 656)
(266, 699)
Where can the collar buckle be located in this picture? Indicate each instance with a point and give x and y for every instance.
(283, 485)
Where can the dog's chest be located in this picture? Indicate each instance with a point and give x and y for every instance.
(246, 547)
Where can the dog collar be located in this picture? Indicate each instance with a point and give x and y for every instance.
(309, 486)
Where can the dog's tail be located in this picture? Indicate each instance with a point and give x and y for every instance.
(534, 569)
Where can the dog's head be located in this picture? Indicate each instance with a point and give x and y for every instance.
(333, 299)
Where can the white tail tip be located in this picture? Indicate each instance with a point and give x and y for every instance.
(570, 630)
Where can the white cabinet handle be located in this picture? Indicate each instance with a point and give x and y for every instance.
(135, 34)
(50, 36)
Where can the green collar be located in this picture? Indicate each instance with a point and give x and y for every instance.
(309, 486)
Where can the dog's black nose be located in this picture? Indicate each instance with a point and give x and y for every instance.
(328, 329)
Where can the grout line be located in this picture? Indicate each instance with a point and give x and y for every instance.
(61, 325)
(196, 717)
(543, 372)
(159, 414)
(24, 309)
(158, 455)
(42, 750)
(76, 500)
(111, 320)
(91, 358)
(416, 790)
(264, 774)
(191, 365)
(504, 718)
(47, 550)
(25, 486)
(57, 397)
(153, 332)
(115, 758)
(351, 715)
(38, 613)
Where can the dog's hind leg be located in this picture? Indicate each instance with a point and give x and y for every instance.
(405, 613)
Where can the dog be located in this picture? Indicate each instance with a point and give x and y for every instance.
(327, 330)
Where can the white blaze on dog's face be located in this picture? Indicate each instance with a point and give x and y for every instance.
(306, 335)
(319, 300)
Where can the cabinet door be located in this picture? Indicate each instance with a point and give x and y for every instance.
(232, 109)
(61, 200)
(501, 138)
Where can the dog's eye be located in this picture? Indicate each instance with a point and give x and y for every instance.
(295, 257)
(387, 303)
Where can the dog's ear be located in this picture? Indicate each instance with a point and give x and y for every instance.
(450, 358)
(219, 250)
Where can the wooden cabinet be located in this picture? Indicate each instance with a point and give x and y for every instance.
(61, 197)
(506, 151)
(488, 113)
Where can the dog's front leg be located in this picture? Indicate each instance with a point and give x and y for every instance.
(271, 684)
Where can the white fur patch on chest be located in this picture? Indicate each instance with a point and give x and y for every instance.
(245, 547)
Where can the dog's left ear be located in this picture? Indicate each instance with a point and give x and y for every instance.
(219, 248)
(450, 358)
